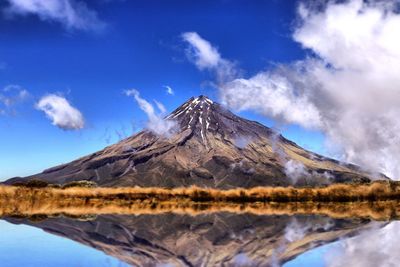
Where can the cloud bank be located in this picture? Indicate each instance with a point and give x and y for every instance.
(72, 14)
(61, 112)
(348, 87)
(156, 123)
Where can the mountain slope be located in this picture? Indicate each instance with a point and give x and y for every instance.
(209, 147)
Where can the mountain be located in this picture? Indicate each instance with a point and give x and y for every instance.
(214, 239)
(209, 147)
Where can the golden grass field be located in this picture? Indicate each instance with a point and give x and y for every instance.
(378, 200)
(380, 190)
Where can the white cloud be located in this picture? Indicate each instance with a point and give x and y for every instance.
(348, 88)
(60, 112)
(156, 123)
(10, 96)
(169, 90)
(203, 54)
(160, 107)
(357, 87)
(206, 57)
(272, 95)
(295, 170)
(73, 14)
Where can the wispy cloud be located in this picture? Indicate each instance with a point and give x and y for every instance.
(348, 88)
(169, 90)
(156, 123)
(10, 96)
(61, 112)
(160, 107)
(206, 57)
(72, 14)
(295, 170)
(201, 52)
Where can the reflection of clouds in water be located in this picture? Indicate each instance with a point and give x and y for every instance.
(296, 230)
(242, 259)
(165, 265)
(242, 235)
(375, 247)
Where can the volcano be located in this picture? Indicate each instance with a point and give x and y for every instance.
(209, 147)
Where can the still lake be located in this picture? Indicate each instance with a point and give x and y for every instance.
(214, 239)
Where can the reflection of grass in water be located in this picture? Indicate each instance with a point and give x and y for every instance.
(381, 210)
(377, 200)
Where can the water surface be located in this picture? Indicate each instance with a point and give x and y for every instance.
(209, 239)
(23, 245)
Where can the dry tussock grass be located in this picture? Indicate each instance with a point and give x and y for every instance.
(377, 200)
(381, 190)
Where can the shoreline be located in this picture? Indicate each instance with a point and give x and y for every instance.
(379, 210)
(378, 201)
(375, 191)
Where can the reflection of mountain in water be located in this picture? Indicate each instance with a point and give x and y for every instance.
(219, 239)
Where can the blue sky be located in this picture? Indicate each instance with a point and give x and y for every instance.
(128, 44)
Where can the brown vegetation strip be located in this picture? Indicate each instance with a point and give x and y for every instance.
(377, 201)
(382, 190)
(387, 210)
